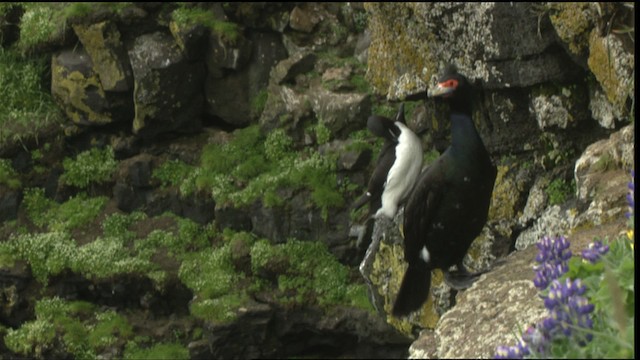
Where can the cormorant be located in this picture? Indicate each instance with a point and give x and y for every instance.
(449, 204)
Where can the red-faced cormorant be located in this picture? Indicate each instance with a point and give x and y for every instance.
(449, 203)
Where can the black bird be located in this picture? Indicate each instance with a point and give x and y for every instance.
(449, 204)
(395, 174)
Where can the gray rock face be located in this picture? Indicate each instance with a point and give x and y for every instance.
(167, 95)
(230, 97)
(102, 42)
(487, 315)
(77, 88)
(300, 333)
(340, 112)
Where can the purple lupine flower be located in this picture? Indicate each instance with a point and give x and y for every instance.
(630, 195)
(566, 306)
(552, 259)
(594, 251)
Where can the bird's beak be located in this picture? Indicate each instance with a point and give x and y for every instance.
(440, 90)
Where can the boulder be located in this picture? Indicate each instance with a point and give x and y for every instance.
(231, 98)
(488, 314)
(341, 113)
(167, 95)
(77, 88)
(103, 44)
(300, 332)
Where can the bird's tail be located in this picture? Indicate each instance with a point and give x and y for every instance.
(414, 289)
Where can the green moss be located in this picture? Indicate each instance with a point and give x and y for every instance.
(258, 102)
(323, 134)
(72, 214)
(76, 327)
(572, 22)
(304, 272)
(8, 176)
(26, 107)
(254, 167)
(118, 225)
(185, 17)
(395, 49)
(158, 351)
(559, 191)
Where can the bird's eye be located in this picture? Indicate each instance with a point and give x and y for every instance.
(452, 83)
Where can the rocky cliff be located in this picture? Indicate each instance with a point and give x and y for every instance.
(190, 192)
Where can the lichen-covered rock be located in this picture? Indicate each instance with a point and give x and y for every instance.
(386, 272)
(411, 41)
(573, 23)
(284, 104)
(222, 54)
(558, 107)
(553, 220)
(300, 332)
(601, 109)
(486, 315)
(168, 89)
(232, 97)
(591, 168)
(304, 18)
(190, 38)
(614, 69)
(286, 70)
(103, 44)
(341, 113)
(77, 88)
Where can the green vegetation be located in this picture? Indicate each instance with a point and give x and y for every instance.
(189, 16)
(254, 167)
(72, 214)
(323, 134)
(560, 191)
(258, 102)
(26, 107)
(83, 330)
(91, 166)
(158, 351)
(8, 175)
(177, 173)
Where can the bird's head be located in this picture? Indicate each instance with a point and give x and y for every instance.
(454, 88)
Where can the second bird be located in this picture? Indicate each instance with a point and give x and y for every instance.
(449, 205)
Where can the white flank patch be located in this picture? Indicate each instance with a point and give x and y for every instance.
(403, 173)
(424, 254)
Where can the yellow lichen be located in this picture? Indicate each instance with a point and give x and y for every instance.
(601, 65)
(573, 21)
(71, 88)
(393, 51)
(503, 200)
(101, 40)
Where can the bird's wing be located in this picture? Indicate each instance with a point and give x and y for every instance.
(379, 176)
(423, 202)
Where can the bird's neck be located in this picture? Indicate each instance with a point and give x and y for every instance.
(464, 136)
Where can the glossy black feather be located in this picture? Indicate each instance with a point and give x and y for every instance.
(449, 204)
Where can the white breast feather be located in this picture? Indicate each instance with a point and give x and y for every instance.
(404, 172)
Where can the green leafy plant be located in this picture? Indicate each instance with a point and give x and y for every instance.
(190, 16)
(26, 107)
(559, 191)
(8, 176)
(91, 166)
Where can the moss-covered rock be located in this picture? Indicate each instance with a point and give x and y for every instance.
(614, 69)
(103, 44)
(168, 89)
(76, 87)
(397, 50)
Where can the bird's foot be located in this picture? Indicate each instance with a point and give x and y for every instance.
(460, 280)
